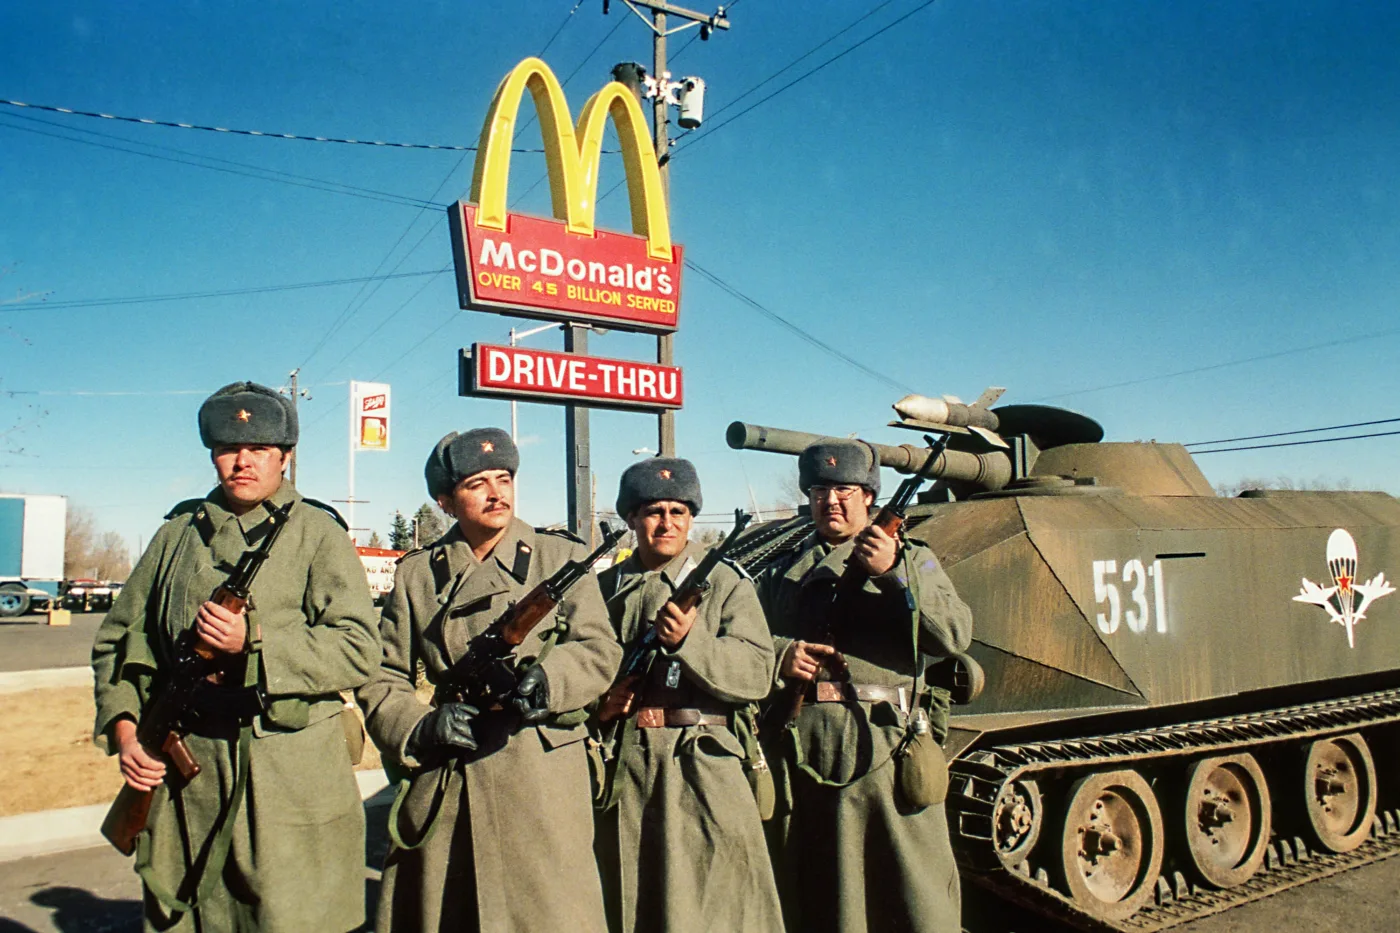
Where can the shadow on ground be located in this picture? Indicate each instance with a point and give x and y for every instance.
(79, 911)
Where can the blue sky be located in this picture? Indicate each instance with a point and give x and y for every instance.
(1068, 199)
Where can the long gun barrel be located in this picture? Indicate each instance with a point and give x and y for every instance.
(160, 729)
(484, 675)
(987, 470)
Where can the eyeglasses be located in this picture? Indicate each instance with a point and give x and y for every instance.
(842, 493)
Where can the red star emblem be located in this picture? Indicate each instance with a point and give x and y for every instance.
(243, 415)
(831, 461)
(1344, 583)
(664, 474)
(487, 447)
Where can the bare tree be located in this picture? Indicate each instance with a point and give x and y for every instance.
(374, 540)
(111, 558)
(90, 554)
(1230, 490)
(79, 538)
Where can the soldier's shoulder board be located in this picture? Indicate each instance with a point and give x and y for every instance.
(328, 509)
(561, 533)
(407, 554)
(187, 507)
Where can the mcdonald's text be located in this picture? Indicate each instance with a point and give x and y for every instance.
(536, 268)
(546, 376)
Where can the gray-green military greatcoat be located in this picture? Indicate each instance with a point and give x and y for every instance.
(295, 862)
(683, 847)
(858, 858)
(508, 828)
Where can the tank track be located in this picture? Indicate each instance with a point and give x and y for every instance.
(978, 779)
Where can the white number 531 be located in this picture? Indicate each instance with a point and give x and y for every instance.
(1130, 603)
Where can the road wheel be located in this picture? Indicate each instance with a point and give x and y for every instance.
(1339, 781)
(1111, 846)
(14, 600)
(1227, 817)
(1017, 818)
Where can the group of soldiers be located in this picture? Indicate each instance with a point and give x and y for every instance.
(580, 803)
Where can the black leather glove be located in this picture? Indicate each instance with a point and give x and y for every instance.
(531, 699)
(448, 727)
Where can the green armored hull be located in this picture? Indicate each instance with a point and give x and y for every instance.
(1190, 700)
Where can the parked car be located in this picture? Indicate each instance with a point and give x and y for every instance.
(87, 596)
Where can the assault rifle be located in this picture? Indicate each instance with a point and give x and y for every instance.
(486, 674)
(890, 520)
(638, 660)
(163, 725)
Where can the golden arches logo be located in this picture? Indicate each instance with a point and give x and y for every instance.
(572, 154)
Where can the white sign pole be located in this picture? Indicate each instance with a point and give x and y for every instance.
(354, 436)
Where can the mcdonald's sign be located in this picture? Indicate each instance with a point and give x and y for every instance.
(562, 267)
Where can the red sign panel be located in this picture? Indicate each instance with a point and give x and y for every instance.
(545, 376)
(538, 269)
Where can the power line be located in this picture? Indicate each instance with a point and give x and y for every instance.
(794, 328)
(568, 17)
(146, 121)
(389, 317)
(1259, 437)
(1278, 354)
(261, 174)
(220, 293)
(805, 55)
(1317, 440)
(352, 309)
(803, 77)
(209, 158)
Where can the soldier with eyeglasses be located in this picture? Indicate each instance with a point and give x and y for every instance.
(853, 850)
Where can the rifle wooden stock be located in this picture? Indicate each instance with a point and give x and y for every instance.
(127, 817)
(160, 724)
(528, 613)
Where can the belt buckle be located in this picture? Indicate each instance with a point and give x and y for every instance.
(651, 717)
(830, 691)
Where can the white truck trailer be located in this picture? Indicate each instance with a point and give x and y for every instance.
(31, 552)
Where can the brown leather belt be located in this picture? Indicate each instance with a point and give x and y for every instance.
(656, 717)
(835, 691)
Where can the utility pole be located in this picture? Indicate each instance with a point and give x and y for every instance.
(660, 120)
(576, 445)
(666, 343)
(293, 392)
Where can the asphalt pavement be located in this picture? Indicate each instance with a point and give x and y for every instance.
(29, 643)
(95, 891)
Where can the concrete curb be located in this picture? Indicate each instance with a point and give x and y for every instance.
(49, 831)
(20, 681)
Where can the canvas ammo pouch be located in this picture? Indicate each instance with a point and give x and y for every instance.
(921, 768)
(744, 724)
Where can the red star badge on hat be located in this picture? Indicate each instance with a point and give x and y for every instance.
(487, 447)
(664, 474)
(243, 414)
(831, 461)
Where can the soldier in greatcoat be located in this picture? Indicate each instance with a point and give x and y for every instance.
(494, 831)
(270, 835)
(681, 844)
(852, 852)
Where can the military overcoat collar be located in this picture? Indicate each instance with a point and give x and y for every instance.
(818, 560)
(508, 561)
(631, 573)
(214, 512)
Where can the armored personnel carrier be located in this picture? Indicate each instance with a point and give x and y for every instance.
(1191, 701)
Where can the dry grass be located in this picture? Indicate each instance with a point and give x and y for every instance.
(47, 759)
